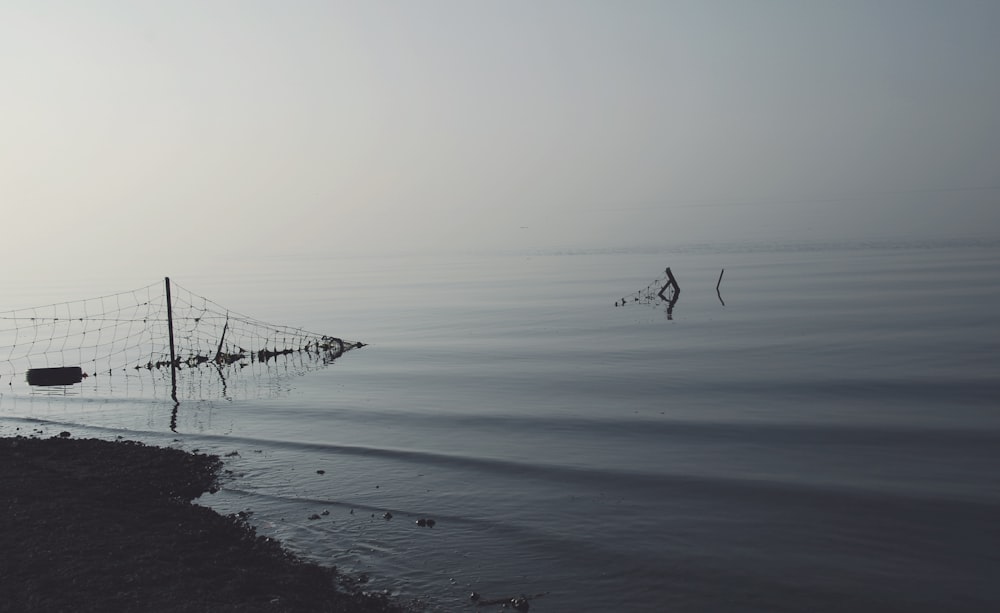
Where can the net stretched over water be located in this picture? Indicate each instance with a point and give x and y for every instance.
(662, 289)
(156, 340)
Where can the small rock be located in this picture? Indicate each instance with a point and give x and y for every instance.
(65, 434)
(421, 522)
(520, 604)
(314, 516)
(430, 523)
(320, 472)
(325, 513)
(474, 597)
(387, 515)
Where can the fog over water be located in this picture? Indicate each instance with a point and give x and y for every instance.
(471, 188)
(145, 137)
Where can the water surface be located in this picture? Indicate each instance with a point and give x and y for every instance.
(821, 434)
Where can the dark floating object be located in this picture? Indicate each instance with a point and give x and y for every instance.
(314, 516)
(387, 516)
(426, 522)
(65, 434)
(474, 597)
(320, 472)
(64, 375)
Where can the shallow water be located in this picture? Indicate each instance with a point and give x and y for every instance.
(821, 434)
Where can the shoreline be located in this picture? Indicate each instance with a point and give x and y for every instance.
(96, 525)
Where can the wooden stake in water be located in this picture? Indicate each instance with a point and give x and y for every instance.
(170, 334)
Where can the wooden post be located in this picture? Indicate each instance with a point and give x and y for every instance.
(170, 333)
(671, 282)
(218, 352)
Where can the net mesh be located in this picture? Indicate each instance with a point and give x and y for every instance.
(661, 289)
(122, 342)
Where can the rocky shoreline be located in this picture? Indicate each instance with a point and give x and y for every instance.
(93, 525)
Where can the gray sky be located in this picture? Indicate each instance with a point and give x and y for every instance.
(208, 126)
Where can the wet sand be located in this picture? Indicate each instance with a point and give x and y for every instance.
(91, 525)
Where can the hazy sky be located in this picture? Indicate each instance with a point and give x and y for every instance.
(204, 127)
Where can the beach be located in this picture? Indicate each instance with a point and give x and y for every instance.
(95, 525)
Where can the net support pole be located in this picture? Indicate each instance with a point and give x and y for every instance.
(170, 334)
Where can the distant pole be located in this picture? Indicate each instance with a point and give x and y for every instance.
(170, 332)
(719, 282)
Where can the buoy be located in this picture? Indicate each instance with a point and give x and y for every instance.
(64, 375)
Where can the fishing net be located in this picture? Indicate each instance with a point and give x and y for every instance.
(154, 340)
(660, 290)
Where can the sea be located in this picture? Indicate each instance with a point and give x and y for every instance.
(797, 426)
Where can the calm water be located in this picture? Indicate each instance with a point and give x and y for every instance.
(821, 435)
